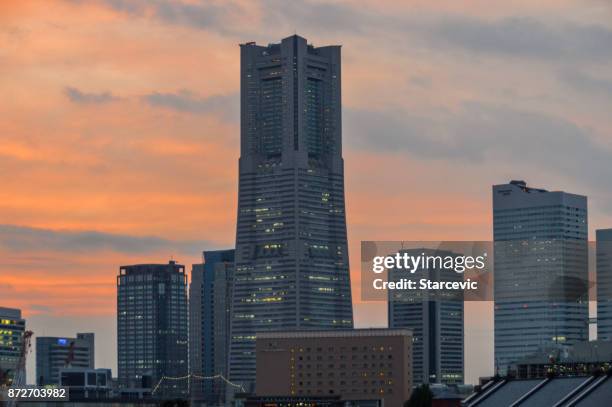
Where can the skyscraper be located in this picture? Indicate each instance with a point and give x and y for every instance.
(436, 323)
(541, 270)
(12, 328)
(209, 316)
(152, 327)
(292, 267)
(604, 284)
(55, 353)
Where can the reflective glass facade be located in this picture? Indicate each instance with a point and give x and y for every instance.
(541, 268)
(152, 327)
(291, 268)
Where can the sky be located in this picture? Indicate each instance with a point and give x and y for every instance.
(119, 133)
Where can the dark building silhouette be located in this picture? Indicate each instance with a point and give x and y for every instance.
(152, 327)
(292, 268)
(209, 316)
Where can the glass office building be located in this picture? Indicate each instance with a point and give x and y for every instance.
(209, 315)
(56, 353)
(12, 328)
(541, 270)
(604, 284)
(436, 323)
(152, 327)
(291, 266)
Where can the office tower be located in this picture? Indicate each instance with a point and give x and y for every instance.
(541, 270)
(209, 316)
(355, 364)
(152, 327)
(56, 353)
(292, 267)
(604, 284)
(12, 328)
(436, 322)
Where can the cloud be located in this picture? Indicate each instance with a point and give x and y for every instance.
(522, 37)
(186, 101)
(79, 97)
(527, 36)
(26, 239)
(481, 133)
(588, 83)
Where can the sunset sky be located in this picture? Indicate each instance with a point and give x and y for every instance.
(119, 132)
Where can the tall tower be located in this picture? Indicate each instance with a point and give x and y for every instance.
(152, 327)
(541, 270)
(291, 266)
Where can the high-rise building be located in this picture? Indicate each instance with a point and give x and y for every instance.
(436, 323)
(56, 353)
(541, 270)
(355, 364)
(291, 268)
(604, 284)
(209, 316)
(12, 328)
(152, 327)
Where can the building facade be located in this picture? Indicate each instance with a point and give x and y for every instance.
(152, 331)
(12, 328)
(541, 270)
(209, 312)
(56, 353)
(436, 324)
(291, 269)
(356, 364)
(604, 284)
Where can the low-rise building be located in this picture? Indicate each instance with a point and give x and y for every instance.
(355, 364)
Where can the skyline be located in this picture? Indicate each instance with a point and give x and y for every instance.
(105, 117)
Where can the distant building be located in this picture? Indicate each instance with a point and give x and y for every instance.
(436, 324)
(56, 353)
(152, 328)
(541, 270)
(604, 284)
(87, 384)
(359, 364)
(292, 263)
(12, 328)
(209, 313)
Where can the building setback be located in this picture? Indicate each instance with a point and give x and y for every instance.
(12, 328)
(209, 313)
(358, 364)
(152, 327)
(604, 284)
(541, 270)
(437, 325)
(291, 268)
(56, 353)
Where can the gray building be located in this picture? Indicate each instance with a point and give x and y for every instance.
(152, 327)
(56, 353)
(436, 323)
(541, 270)
(209, 316)
(12, 328)
(604, 284)
(291, 268)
